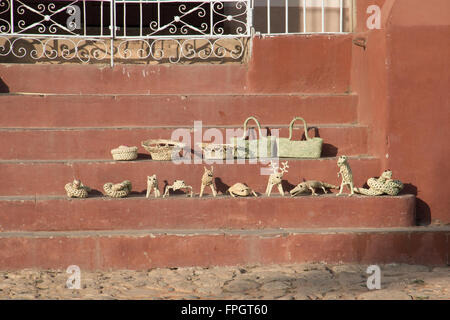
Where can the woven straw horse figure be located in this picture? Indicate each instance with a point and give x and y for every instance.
(207, 180)
(276, 177)
(152, 185)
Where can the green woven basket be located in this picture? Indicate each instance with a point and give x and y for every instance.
(252, 148)
(309, 148)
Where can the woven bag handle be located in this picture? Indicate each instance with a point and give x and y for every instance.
(245, 126)
(291, 125)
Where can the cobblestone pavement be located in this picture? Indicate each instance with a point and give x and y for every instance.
(301, 281)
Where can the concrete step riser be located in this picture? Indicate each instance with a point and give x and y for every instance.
(142, 252)
(96, 144)
(178, 212)
(173, 110)
(41, 178)
(313, 64)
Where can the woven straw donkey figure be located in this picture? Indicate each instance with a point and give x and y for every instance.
(207, 180)
(276, 177)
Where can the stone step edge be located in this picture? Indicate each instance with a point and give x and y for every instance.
(256, 161)
(186, 126)
(219, 197)
(263, 233)
(223, 94)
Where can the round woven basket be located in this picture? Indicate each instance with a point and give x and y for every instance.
(215, 151)
(124, 153)
(161, 149)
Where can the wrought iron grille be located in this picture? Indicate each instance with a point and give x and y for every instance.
(124, 30)
(99, 30)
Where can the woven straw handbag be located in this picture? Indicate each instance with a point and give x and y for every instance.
(161, 149)
(252, 148)
(124, 153)
(309, 148)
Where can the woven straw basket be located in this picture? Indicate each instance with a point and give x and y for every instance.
(309, 148)
(214, 151)
(161, 149)
(124, 153)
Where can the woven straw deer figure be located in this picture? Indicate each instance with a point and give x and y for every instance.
(276, 177)
(152, 185)
(207, 180)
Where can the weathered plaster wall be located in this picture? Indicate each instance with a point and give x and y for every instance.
(403, 82)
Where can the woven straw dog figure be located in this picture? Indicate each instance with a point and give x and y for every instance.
(207, 180)
(346, 173)
(276, 177)
(152, 185)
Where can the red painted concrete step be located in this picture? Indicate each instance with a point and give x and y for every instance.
(49, 177)
(140, 250)
(296, 63)
(172, 110)
(96, 143)
(179, 212)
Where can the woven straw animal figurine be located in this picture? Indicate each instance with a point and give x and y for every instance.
(207, 180)
(178, 185)
(346, 173)
(311, 186)
(276, 178)
(240, 189)
(118, 190)
(383, 185)
(152, 185)
(76, 189)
